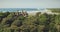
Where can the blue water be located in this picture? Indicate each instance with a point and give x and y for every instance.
(18, 9)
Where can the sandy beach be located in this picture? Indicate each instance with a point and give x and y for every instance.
(45, 11)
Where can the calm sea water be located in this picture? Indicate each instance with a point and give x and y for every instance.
(19, 9)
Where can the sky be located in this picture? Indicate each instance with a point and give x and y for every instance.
(29, 3)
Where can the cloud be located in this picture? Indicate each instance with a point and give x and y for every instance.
(29, 3)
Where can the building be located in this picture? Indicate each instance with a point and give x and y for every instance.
(22, 13)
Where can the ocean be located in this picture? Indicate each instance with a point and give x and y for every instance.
(19, 9)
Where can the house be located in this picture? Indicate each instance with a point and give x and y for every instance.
(22, 13)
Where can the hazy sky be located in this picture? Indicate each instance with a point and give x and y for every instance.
(29, 3)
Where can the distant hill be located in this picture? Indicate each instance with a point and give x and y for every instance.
(55, 10)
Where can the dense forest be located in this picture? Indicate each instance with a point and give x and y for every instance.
(23, 22)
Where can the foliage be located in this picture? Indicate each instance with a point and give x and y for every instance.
(37, 23)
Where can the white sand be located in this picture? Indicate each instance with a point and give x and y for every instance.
(45, 11)
(32, 12)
